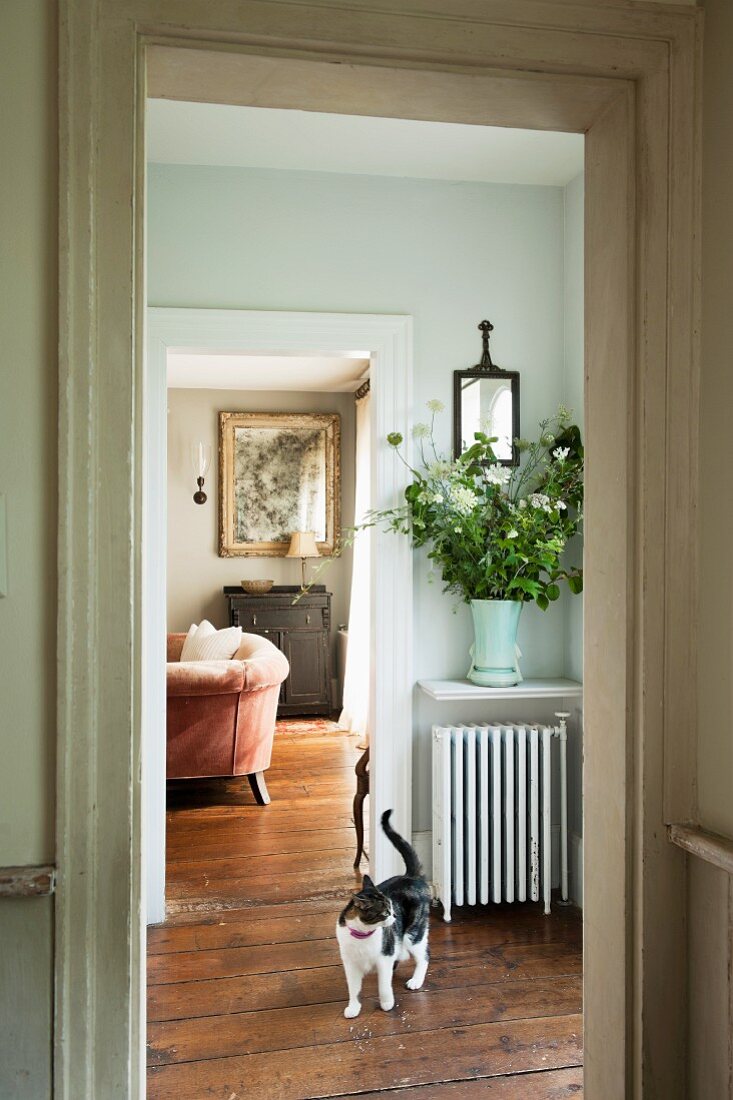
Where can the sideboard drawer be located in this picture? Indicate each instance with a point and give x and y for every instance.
(280, 618)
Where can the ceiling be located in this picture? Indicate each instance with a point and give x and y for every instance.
(234, 371)
(263, 137)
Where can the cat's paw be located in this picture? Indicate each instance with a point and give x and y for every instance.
(414, 983)
(387, 1004)
(352, 1011)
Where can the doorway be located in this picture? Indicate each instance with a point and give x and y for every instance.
(627, 620)
(386, 342)
(305, 221)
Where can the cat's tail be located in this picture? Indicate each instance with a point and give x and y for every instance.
(413, 866)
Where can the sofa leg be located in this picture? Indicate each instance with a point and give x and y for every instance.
(259, 790)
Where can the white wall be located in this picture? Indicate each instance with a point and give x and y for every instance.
(447, 253)
(196, 573)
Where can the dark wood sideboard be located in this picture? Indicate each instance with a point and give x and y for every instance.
(302, 631)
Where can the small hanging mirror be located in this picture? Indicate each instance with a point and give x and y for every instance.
(486, 399)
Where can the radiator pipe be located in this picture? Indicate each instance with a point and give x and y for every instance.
(562, 731)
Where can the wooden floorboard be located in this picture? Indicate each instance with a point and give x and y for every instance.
(249, 928)
(280, 1029)
(245, 987)
(370, 1063)
(562, 1084)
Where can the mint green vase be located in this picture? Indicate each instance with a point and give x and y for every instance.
(494, 651)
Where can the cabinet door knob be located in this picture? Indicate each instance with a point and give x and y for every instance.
(254, 620)
(308, 619)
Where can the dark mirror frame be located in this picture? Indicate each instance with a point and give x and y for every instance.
(478, 372)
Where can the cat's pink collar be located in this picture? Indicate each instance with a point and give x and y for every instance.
(361, 935)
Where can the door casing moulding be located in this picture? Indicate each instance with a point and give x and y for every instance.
(628, 76)
(387, 340)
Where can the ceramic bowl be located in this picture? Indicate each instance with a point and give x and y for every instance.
(256, 588)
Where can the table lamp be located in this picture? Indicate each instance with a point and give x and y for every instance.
(303, 545)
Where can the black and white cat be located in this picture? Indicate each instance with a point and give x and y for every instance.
(386, 924)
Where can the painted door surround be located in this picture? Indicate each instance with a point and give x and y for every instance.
(387, 341)
(627, 76)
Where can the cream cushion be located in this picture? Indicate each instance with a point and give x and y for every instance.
(205, 643)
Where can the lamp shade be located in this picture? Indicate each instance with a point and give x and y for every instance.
(303, 545)
(200, 459)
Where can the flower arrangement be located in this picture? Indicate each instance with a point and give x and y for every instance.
(495, 532)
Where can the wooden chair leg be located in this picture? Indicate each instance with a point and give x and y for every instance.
(362, 790)
(259, 789)
(359, 825)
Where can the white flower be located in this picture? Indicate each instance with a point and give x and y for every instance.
(522, 505)
(441, 468)
(540, 500)
(513, 534)
(463, 499)
(497, 475)
(563, 412)
(437, 498)
(547, 439)
(560, 453)
(435, 406)
(561, 504)
(458, 530)
(420, 431)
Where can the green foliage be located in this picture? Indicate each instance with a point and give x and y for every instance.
(496, 532)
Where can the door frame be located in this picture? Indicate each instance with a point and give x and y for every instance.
(627, 76)
(387, 341)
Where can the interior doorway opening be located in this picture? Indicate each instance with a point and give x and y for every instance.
(548, 214)
(212, 345)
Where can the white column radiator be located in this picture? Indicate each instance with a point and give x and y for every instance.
(492, 799)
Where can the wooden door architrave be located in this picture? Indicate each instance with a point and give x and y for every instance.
(625, 74)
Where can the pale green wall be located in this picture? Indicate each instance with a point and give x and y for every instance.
(28, 433)
(28, 412)
(26, 997)
(448, 254)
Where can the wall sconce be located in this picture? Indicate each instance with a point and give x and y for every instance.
(200, 461)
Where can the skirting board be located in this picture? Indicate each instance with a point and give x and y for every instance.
(423, 845)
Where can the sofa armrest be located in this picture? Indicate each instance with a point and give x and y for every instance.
(263, 663)
(263, 672)
(204, 677)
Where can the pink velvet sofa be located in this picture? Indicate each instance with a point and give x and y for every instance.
(221, 714)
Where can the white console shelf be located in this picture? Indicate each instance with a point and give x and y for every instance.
(462, 691)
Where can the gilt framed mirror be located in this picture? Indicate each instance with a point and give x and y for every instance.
(486, 399)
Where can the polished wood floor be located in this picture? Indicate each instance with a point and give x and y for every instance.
(246, 990)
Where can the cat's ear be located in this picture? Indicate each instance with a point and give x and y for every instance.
(367, 883)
